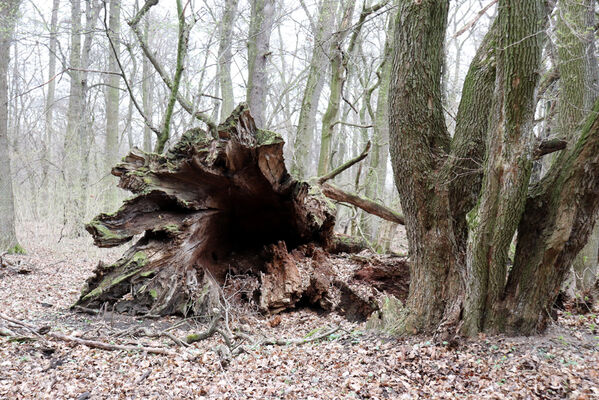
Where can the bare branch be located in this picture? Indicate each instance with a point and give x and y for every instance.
(345, 166)
(475, 19)
(118, 61)
(370, 206)
(186, 104)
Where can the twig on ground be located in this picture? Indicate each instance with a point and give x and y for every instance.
(88, 343)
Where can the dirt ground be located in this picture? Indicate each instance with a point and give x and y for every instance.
(351, 363)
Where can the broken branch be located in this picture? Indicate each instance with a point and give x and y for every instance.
(370, 206)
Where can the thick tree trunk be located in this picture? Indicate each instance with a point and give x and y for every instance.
(559, 217)
(418, 139)
(8, 237)
(508, 163)
(577, 93)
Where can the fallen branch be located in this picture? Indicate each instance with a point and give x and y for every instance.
(196, 337)
(370, 206)
(297, 342)
(85, 342)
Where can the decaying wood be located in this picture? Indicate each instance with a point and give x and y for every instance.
(210, 209)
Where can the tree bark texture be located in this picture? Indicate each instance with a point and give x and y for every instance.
(461, 218)
(577, 92)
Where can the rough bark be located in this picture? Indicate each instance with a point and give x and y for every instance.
(419, 140)
(577, 92)
(8, 237)
(559, 217)
(508, 162)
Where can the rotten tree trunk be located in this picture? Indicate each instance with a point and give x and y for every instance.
(204, 208)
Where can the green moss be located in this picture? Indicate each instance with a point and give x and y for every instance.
(140, 258)
(102, 230)
(172, 228)
(123, 277)
(153, 293)
(94, 293)
(266, 138)
(194, 337)
(390, 318)
(147, 274)
(17, 249)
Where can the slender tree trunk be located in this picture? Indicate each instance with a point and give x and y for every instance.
(314, 84)
(225, 56)
(76, 146)
(261, 22)
(375, 180)
(147, 89)
(72, 174)
(336, 86)
(112, 106)
(8, 237)
(47, 143)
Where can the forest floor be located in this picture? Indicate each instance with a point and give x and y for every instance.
(352, 363)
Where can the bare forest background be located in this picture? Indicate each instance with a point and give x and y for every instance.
(322, 85)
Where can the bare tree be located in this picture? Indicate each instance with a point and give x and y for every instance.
(261, 22)
(8, 237)
(112, 104)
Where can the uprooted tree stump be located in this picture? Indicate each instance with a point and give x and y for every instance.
(213, 208)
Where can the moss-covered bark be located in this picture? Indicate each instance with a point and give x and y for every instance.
(508, 161)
